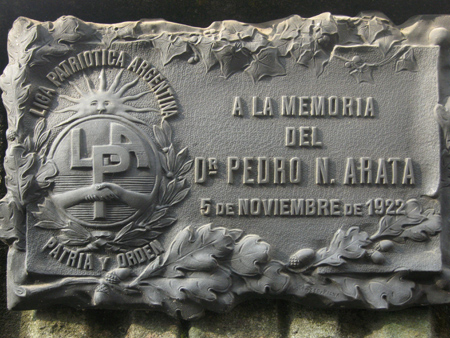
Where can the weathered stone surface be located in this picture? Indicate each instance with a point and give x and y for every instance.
(304, 323)
(441, 320)
(254, 319)
(411, 323)
(107, 324)
(68, 323)
(54, 323)
(146, 324)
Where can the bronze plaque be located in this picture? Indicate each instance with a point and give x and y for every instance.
(159, 166)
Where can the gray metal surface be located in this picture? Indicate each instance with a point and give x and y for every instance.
(156, 165)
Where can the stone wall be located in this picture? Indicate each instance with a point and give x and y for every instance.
(253, 319)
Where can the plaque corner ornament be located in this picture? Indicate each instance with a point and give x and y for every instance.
(94, 167)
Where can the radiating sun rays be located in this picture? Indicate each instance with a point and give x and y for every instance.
(104, 100)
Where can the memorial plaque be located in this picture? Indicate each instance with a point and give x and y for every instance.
(160, 166)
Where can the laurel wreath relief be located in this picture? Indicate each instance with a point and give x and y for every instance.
(205, 267)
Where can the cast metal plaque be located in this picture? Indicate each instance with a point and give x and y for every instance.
(160, 166)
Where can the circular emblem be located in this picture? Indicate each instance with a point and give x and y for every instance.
(108, 171)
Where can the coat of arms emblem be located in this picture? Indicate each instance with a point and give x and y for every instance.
(107, 173)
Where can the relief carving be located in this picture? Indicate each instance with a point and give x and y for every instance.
(97, 170)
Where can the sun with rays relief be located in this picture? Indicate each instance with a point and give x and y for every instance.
(104, 100)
